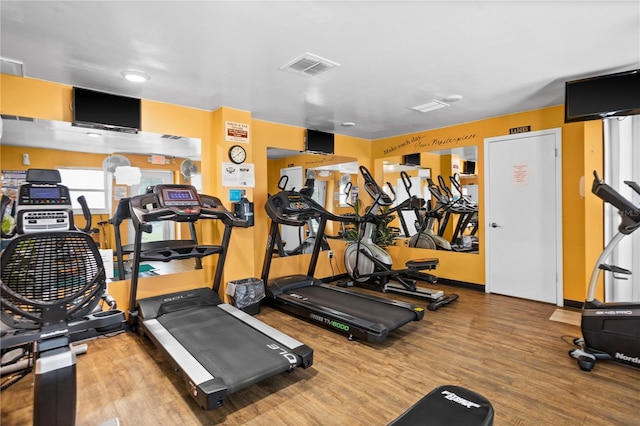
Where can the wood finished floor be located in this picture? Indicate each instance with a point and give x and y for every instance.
(504, 348)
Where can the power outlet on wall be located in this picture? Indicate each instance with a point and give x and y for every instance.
(330, 254)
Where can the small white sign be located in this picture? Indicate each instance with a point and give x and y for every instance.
(236, 132)
(238, 175)
(126, 175)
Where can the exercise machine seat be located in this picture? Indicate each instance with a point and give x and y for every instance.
(446, 406)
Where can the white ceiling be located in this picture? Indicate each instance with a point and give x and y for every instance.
(501, 56)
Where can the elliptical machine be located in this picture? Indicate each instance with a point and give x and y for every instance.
(611, 331)
(369, 265)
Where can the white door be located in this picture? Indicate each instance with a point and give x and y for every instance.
(292, 236)
(523, 216)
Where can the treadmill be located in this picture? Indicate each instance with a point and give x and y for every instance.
(357, 315)
(217, 348)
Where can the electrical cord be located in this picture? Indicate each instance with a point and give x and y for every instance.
(571, 342)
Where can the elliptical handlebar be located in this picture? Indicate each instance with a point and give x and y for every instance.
(86, 213)
(406, 181)
(282, 185)
(633, 185)
(373, 189)
(629, 212)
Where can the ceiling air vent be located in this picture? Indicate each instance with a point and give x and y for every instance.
(16, 117)
(310, 65)
(171, 137)
(430, 106)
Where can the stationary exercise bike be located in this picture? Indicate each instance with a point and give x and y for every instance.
(611, 331)
(370, 266)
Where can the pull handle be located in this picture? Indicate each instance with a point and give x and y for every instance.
(494, 225)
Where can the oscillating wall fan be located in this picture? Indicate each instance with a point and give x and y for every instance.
(311, 174)
(188, 168)
(110, 163)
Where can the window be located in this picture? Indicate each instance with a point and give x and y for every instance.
(88, 182)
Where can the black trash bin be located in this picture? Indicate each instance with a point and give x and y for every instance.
(247, 294)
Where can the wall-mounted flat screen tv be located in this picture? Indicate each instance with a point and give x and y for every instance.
(411, 159)
(603, 96)
(469, 168)
(106, 111)
(320, 142)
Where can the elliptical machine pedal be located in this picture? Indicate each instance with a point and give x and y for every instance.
(444, 300)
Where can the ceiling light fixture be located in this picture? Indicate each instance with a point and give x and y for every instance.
(348, 124)
(11, 67)
(452, 98)
(93, 134)
(136, 76)
(430, 106)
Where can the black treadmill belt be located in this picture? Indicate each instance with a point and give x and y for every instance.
(389, 315)
(225, 346)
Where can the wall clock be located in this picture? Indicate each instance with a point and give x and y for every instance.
(237, 154)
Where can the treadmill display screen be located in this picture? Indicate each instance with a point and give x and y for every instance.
(179, 197)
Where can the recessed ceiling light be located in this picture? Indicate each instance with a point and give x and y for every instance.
(136, 76)
(348, 124)
(452, 98)
(93, 134)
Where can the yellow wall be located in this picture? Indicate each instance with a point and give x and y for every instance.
(582, 151)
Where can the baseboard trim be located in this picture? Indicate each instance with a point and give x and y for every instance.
(463, 284)
(572, 304)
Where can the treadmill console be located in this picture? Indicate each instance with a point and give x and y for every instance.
(290, 205)
(43, 207)
(182, 200)
(178, 196)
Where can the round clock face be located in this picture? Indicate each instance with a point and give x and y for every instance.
(237, 154)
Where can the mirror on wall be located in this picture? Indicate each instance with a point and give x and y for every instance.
(328, 176)
(89, 161)
(447, 182)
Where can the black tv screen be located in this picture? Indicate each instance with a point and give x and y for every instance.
(104, 110)
(469, 168)
(411, 159)
(321, 142)
(603, 96)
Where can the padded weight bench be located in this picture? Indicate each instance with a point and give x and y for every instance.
(448, 405)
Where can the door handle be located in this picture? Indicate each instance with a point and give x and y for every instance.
(494, 225)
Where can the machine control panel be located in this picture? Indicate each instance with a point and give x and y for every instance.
(44, 194)
(43, 207)
(180, 201)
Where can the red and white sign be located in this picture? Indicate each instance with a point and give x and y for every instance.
(236, 132)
